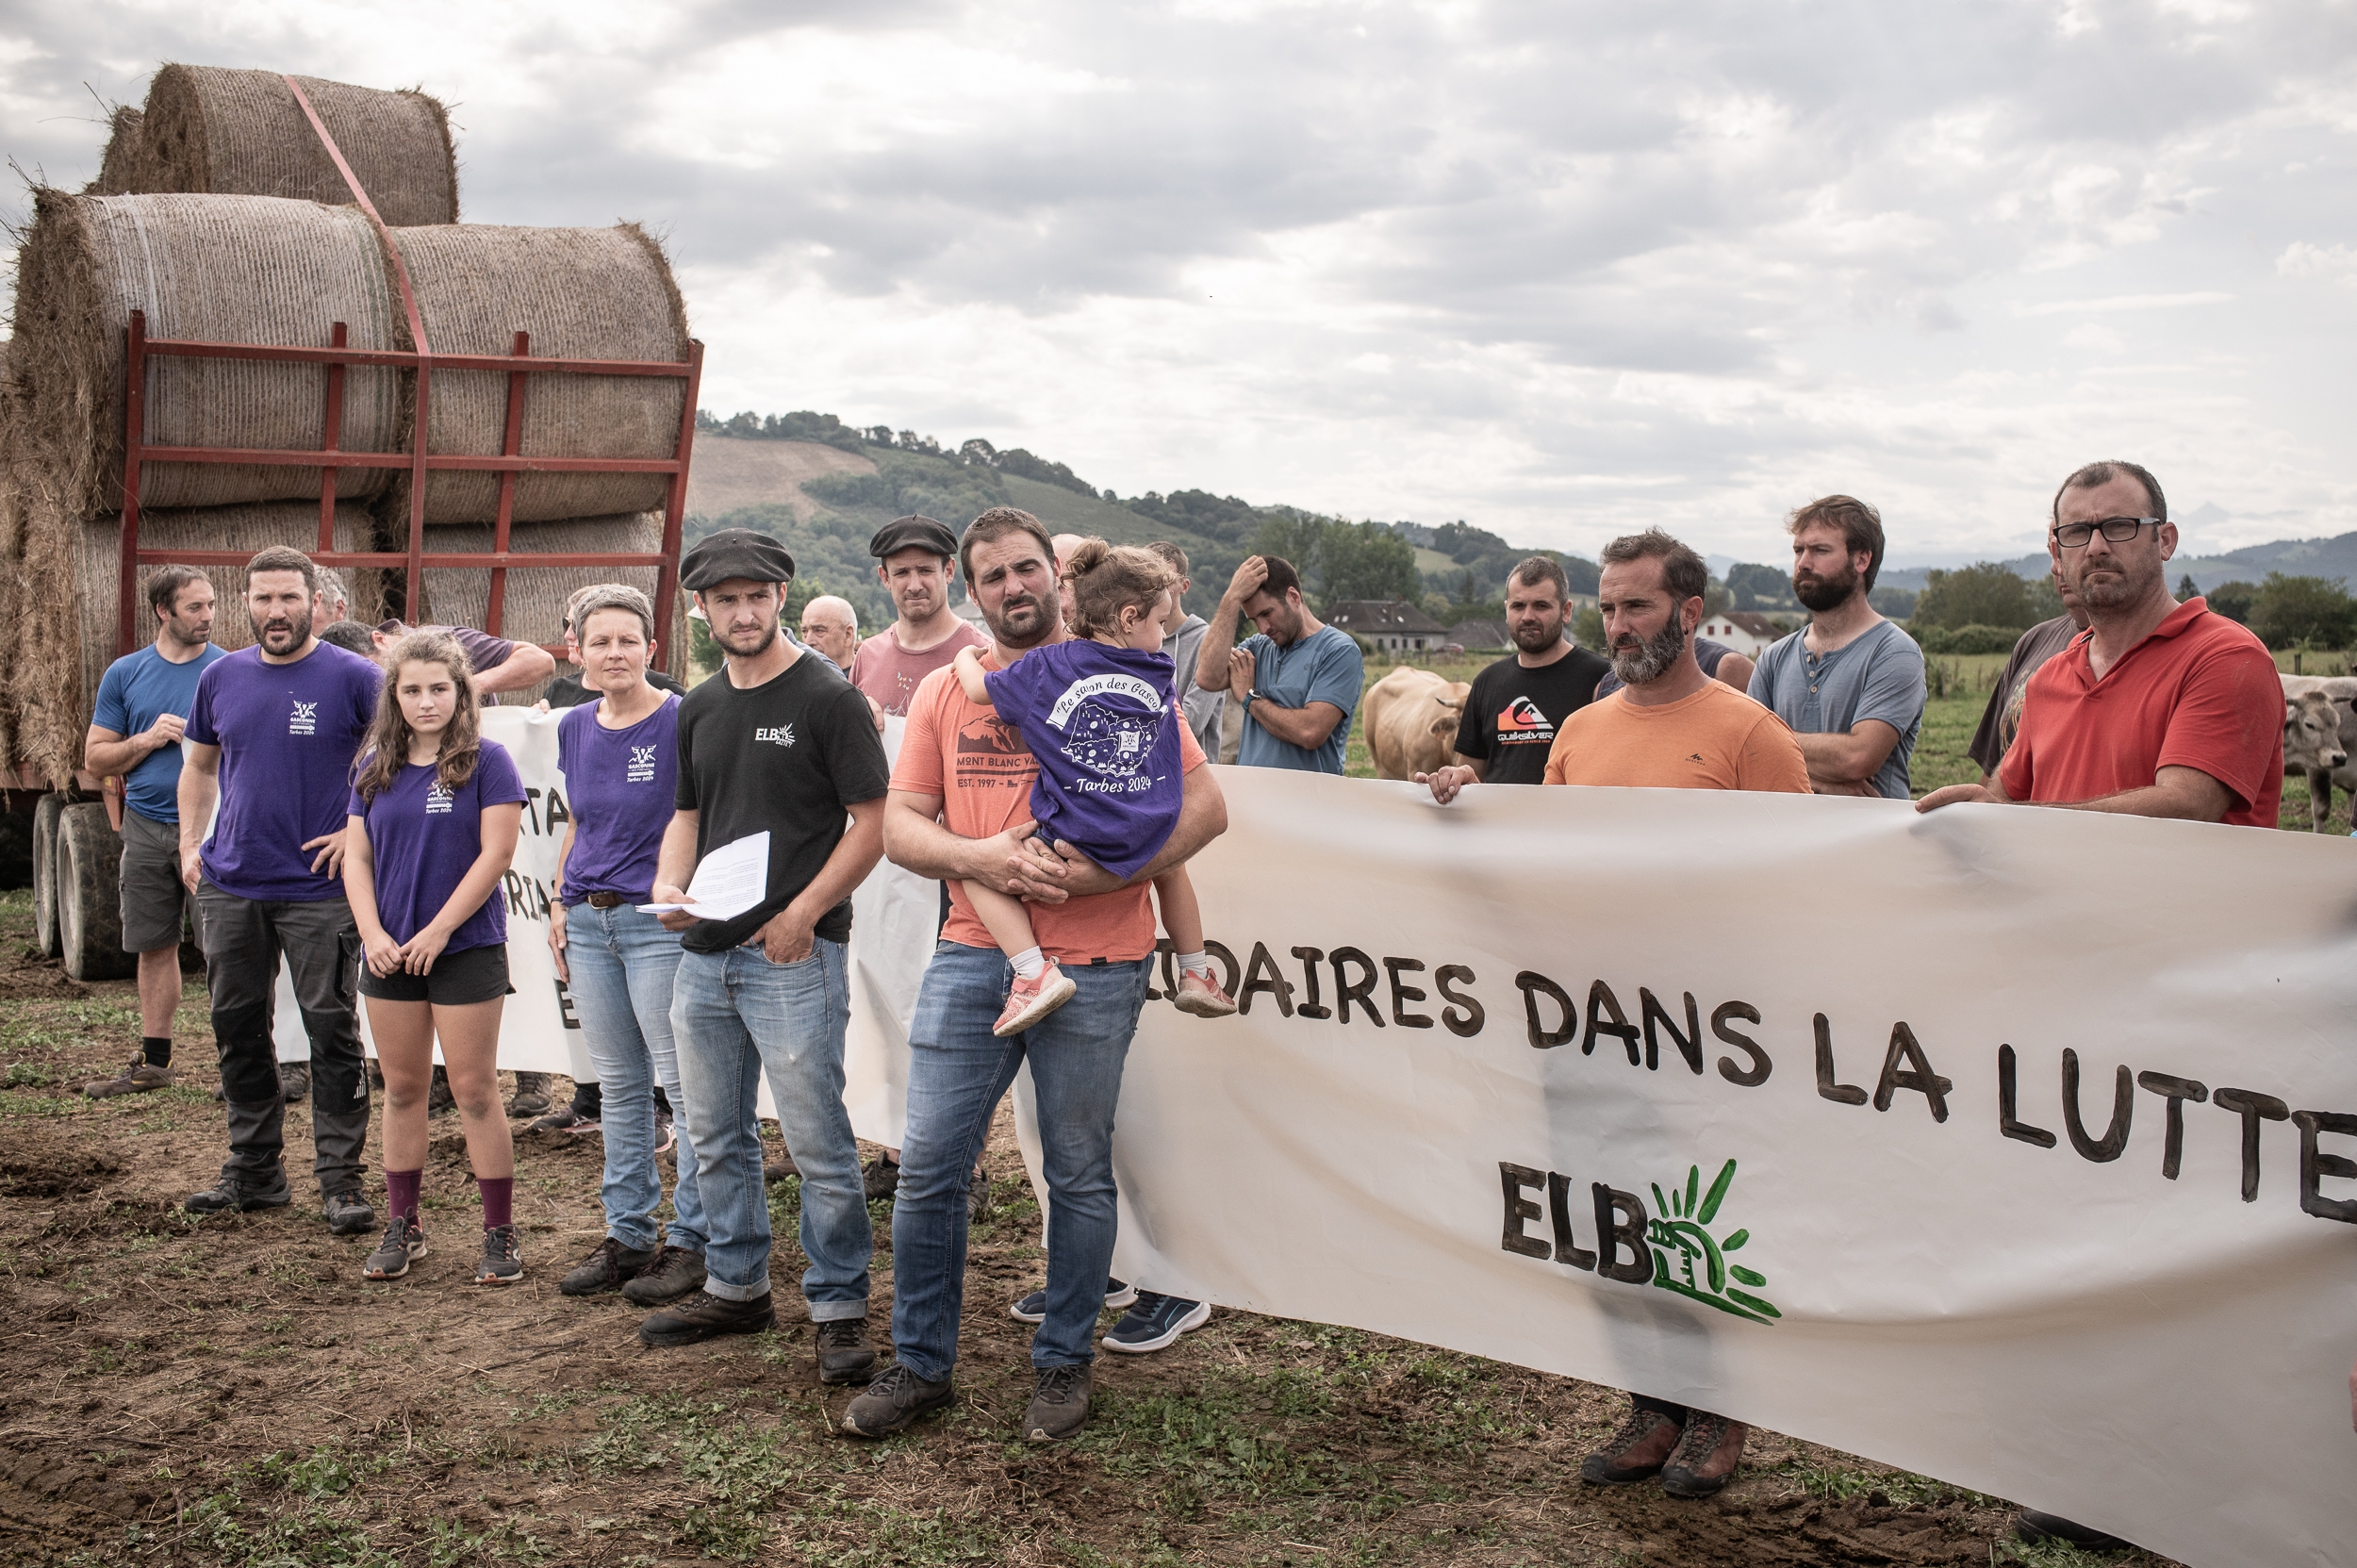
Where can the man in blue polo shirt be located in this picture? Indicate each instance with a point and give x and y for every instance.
(1296, 682)
(1850, 685)
(272, 739)
(143, 700)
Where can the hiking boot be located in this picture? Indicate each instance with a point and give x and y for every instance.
(137, 1078)
(705, 1316)
(608, 1267)
(896, 1398)
(881, 1179)
(1634, 1452)
(294, 1081)
(1706, 1454)
(403, 1243)
(674, 1272)
(241, 1191)
(439, 1101)
(565, 1120)
(979, 1201)
(1201, 996)
(1033, 1308)
(2034, 1529)
(844, 1355)
(1155, 1320)
(779, 1169)
(531, 1095)
(1029, 1001)
(349, 1213)
(1060, 1407)
(502, 1259)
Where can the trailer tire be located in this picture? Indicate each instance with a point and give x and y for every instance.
(45, 872)
(89, 895)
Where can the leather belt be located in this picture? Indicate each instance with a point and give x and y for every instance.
(605, 900)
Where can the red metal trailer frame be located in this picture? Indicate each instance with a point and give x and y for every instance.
(330, 460)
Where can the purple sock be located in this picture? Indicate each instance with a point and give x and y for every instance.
(498, 1198)
(401, 1190)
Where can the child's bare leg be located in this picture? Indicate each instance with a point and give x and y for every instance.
(1010, 926)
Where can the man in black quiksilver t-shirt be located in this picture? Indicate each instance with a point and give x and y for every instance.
(1511, 713)
(778, 743)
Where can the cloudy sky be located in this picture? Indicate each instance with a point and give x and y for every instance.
(1559, 270)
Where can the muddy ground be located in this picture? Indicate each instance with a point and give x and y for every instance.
(229, 1392)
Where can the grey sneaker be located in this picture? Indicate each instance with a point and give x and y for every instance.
(503, 1260)
(1061, 1406)
(674, 1273)
(239, 1191)
(403, 1243)
(294, 1081)
(349, 1213)
(1155, 1320)
(843, 1355)
(139, 1078)
(896, 1398)
(1033, 1308)
(609, 1266)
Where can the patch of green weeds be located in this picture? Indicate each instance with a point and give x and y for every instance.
(35, 1105)
(28, 1075)
(1881, 1488)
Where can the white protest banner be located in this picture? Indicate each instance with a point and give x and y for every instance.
(1926, 1137)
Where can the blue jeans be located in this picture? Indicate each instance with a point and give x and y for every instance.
(957, 1073)
(734, 1014)
(622, 966)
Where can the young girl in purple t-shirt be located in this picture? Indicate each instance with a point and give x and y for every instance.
(433, 817)
(1099, 716)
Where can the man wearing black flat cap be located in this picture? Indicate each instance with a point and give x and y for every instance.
(776, 743)
(916, 561)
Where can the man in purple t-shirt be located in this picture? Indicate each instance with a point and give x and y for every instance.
(272, 736)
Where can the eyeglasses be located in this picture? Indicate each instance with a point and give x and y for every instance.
(2074, 535)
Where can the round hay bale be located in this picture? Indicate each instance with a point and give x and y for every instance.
(120, 172)
(68, 623)
(220, 269)
(224, 132)
(533, 608)
(581, 293)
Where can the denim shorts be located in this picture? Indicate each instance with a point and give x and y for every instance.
(456, 980)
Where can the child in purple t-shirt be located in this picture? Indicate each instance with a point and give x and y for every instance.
(433, 818)
(1099, 716)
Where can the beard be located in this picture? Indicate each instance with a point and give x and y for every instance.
(1019, 620)
(762, 636)
(1641, 664)
(1535, 637)
(1825, 593)
(280, 634)
(2125, 585)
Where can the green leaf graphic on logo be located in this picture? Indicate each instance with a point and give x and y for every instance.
(1677, 1228)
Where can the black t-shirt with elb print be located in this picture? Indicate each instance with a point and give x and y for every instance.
(787, 757)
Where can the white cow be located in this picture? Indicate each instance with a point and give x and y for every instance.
(1410, 720)
(2319, 735)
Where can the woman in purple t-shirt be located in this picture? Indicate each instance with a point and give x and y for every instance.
(1099, 713)
(433, 817)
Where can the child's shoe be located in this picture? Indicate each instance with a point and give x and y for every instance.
(1029, 1001)
(1201, 996)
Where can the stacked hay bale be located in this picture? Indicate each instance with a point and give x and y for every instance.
(219, 214)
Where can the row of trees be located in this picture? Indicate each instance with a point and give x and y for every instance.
(2289, 612)
(2284, 611)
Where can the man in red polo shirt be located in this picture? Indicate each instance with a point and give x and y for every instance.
(2158, 709)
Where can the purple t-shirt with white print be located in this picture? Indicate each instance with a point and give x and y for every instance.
(1101, 722)
(423, 838)
(618, 785)
(287, 734)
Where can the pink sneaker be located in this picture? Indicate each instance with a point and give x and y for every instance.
(1029, 1001)
(1201, 996)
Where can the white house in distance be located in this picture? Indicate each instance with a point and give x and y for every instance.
(1392, 625)
(1747, 632)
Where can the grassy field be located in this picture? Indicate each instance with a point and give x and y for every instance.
(1959, 691)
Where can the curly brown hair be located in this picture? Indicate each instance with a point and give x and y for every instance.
(385, 752)
(1107, 578)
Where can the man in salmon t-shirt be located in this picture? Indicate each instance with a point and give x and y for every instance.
(960, 808)
(915, 561)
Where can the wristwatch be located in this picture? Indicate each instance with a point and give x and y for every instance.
(1251, 697)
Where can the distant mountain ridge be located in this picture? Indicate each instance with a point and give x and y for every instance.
(2328, 558)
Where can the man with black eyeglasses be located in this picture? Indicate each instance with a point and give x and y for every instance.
(2157, 709)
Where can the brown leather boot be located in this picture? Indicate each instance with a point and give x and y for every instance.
(1708, 1453)
(1635, 1452)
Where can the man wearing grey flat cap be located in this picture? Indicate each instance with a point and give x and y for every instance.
(776, 743)
(916, 561)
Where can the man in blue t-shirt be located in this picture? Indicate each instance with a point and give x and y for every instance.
(143, 700)
(272, 739)
(1296, 682)
(1850, 684)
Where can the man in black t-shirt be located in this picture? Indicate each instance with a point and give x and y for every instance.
(776, 743)
(1511, 713)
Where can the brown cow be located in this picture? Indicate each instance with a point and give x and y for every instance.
(2319, 734)
(1410, 720)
